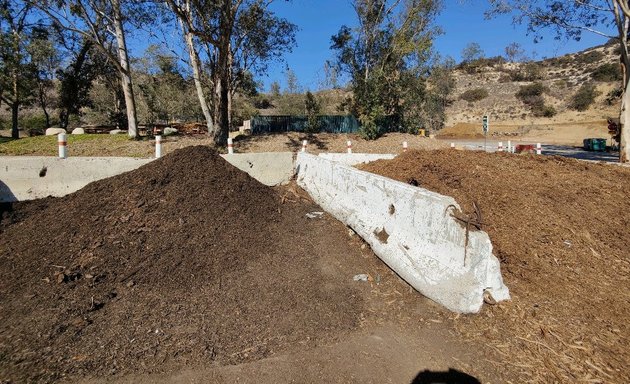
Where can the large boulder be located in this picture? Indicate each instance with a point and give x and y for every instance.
(117, 132)
(54, 131)
(170, 131)
(78, 131)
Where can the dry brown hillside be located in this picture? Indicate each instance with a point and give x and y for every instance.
(561, 78)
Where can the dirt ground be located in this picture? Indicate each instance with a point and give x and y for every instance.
(120, 145)
(551, 132)
(560, 228)
(187, 269)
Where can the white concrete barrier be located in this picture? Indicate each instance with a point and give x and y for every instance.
(356, 158)
(34, 177)
(29, 177)
(410, 229)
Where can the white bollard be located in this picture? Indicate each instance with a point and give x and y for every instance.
(453, 145)
(509, 147)
(158, 146)
(230, 146)
(538, 149)
(304, 143)
(500, 146)
(61, 141)
(349, 146)
(404, 146)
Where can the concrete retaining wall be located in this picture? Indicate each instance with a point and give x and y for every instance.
(29, 177)
(356, 158)
(410, 229)
(270, 168)
(24, 178)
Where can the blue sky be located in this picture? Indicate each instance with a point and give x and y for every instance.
(461, 21)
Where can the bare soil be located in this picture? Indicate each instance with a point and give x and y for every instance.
(331, 142)
(187, 269)
(551, 132)
(560, 229)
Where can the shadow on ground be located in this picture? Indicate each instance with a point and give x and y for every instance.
(452, 376)
(293, 143)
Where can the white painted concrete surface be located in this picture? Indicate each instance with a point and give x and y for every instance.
(20, 175)
(270, 168)
(29, 177)
(356, 158)
(410, 229)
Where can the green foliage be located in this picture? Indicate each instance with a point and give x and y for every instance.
(614, 95)
(274, 89)
(312, 107)
(607, 72)
(384, 57)
(372, 124)
(473, 95)
(584, 97)
(293, 86)
(472, 52)
(590, 57)
(548, 111)
(514, 52)
(530, 90)
(532, 96)
(529, 72)
(262, 102)
(477, 65)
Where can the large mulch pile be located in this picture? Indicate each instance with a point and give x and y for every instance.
(561, 229)
(184, 261)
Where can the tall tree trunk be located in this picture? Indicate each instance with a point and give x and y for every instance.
(221, 85)
(231, 90)
(125, 74)
(196, 68)
(221, 110)
(15, 133)
(42, 103)
(15, 105)
(624, 126)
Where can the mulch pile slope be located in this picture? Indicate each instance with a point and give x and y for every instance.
(184, 261)
(561, 229)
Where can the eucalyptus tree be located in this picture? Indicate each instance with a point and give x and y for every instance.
(570, 19)
(385, 56)
(18, 73)
(104, 23)
(239, 37)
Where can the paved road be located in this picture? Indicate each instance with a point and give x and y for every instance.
(550, 149)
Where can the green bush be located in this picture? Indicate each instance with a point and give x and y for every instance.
(372, 123)
(529, 72)
(607, 72)
(475, 66)
(590, 57)
(549, 111)
(584, 97)
(614, 95)
(535, 89)
(473, 95)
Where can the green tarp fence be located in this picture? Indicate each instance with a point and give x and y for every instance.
(330, 124)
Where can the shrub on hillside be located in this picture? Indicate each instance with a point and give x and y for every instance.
(475, 66)
(532, 96)
(584, 97)
(529, 72)
(473, 95)
(607, 72)
(530, 90)
(548, 111)
(589, 57)
(614, 95)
